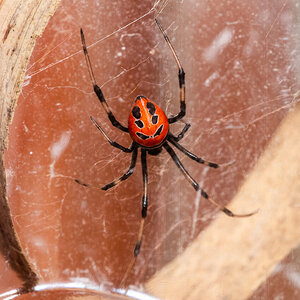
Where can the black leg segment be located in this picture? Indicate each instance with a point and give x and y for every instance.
(145, 183)
(127, 174)
(138, 244)
(97, 89)
(196, 186)
(120, 179)
(114, 144)
(181, 77)
(182, 133)
(194, 157)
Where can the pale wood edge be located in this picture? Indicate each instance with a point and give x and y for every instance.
(21, 23)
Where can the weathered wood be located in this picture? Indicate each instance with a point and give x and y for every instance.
(21, 23)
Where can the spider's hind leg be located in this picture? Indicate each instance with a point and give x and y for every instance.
(138, 244)
(120, 179)
(196, 186)
(194, 157)
(126, 175)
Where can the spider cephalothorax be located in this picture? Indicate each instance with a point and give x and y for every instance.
(148, 127)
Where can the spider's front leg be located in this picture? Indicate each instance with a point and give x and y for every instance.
(97, 89)
(181, 77)
(138, 244)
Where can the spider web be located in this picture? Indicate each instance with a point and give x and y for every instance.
(240, 79)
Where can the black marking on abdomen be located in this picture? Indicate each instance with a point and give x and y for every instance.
(145, 137)
(136, 112)
(154, 119)
(159, 130)
(139, 123)
(142, 136)
(151, 108)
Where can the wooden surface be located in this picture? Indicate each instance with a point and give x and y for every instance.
(21, 23)
(232, 257)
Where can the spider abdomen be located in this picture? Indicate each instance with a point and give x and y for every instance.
(147, 124)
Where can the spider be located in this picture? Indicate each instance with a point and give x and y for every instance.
(148, 127)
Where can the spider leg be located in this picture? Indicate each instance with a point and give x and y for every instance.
(97, 89)
(196, 186)
(181, 77)
(120, 179)
(115, 144)
(144, 215)
(126, 175)
(173, 140)
(182, 133)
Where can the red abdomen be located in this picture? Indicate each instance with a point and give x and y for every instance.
(147, 124)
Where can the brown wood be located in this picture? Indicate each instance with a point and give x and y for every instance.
(21, 23)
(232, 257)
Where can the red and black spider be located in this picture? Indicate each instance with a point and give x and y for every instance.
(148, 127)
